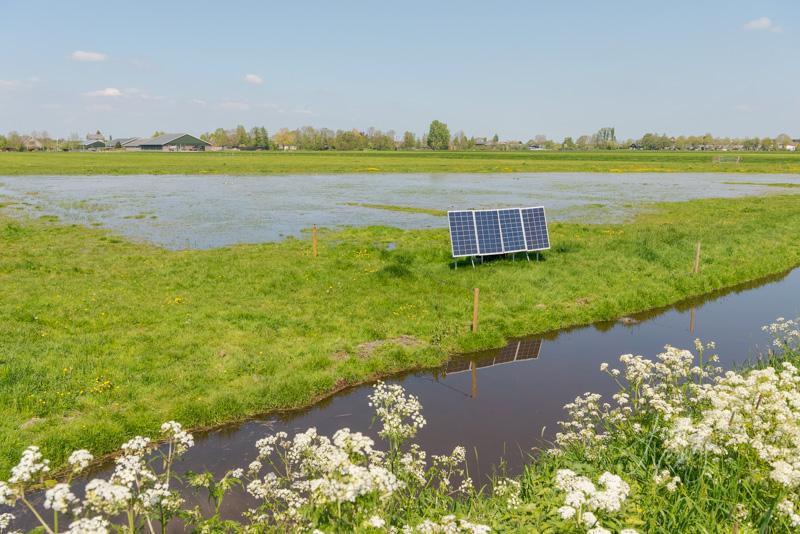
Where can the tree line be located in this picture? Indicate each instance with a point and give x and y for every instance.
(438, 137)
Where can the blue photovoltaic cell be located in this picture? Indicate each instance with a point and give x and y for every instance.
(487, 224)
(535, 225)
(462, 233)
(511, 226)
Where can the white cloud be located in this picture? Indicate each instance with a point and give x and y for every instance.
(255, 79)
(82, 55)
(744, 108)
(234, 105)
(761, 24)
(199, 101)
(8, 84)
(108, 91)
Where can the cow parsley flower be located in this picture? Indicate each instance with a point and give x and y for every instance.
(59, 498)
(30, 465)
(80, 460)
(93, 525)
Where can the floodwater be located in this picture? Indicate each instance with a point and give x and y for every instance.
(211, 211)
(504, 403)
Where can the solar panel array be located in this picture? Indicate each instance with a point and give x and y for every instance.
(483, 232)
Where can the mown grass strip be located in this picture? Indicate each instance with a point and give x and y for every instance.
(774, 184)
(402, 209)
(265, 163)
(102, 338)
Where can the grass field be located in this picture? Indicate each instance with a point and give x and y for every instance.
(102, 338)
(254, 163)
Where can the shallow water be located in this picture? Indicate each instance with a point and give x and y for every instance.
(510, 400)
(211, 211)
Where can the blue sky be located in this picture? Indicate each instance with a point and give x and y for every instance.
(515, 68)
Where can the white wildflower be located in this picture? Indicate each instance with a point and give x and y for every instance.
(59, 498)
(30, 465)
(93, 525)
(80, 460)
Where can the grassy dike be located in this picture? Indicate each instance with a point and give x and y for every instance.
(265, 163)
(102, 338)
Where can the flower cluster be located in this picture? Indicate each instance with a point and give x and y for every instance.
(785, 333)
(133, 488)
(759, 410)
(583, 499)
(400, 414)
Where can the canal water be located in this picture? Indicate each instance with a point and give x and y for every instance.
(211, 211)
(503, 404)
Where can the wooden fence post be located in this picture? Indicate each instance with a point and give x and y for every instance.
(475, 292)
(697, 258)
(314, 240)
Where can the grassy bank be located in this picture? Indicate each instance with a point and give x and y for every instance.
(255, 163)
(102, 338)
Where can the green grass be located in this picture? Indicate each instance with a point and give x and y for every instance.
(102, 338)
(404, 209)
(775, 184)
(255, 163)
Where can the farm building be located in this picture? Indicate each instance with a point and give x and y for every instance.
(168, 142)
(119, 142)
(93, 144)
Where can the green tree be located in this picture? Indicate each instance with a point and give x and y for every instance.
(409, 140)
(241, 138)
(438, 136)
(495, 139)
(568, 144)
(3, 142)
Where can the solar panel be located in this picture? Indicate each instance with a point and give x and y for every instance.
(504, 231)
(511, 227)
(487, 226)
(462, 233)
(535, 225)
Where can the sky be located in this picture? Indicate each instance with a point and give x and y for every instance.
(515, 68)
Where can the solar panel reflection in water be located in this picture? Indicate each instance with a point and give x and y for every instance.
(462, 233)
(487, 226)
(511, 226)
(535, 224)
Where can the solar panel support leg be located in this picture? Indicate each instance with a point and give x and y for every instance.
(472, 259)
(528, 256)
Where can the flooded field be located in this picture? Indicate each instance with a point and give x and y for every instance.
(211, 211)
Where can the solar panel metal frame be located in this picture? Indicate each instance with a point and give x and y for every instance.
(546, 229)
(474, 232)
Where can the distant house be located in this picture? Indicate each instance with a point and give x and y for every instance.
(174, 142)
(31, 143)
(481, 141)
(94, 144)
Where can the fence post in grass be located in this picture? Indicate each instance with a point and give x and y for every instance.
(314, 240)
(697, 258)
(475, 293)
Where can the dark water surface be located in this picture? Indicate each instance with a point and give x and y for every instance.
(502, 403)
